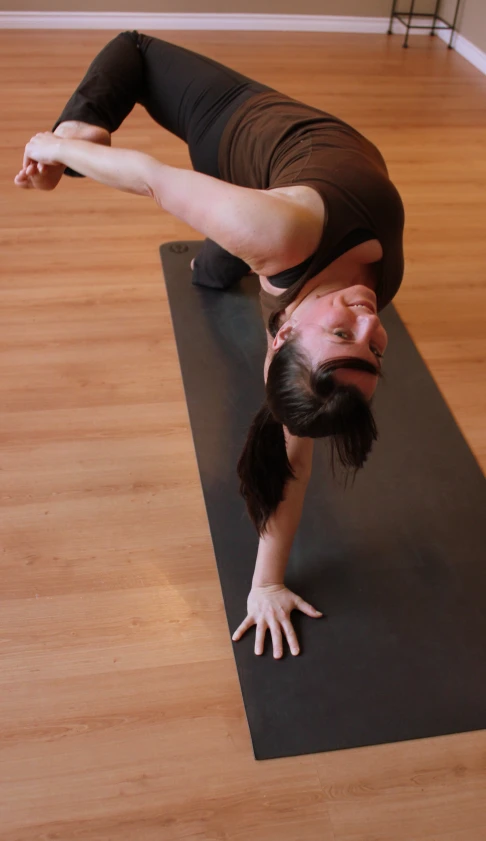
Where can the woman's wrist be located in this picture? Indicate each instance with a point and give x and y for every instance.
(267, 581)
(268, 588)
(60, 150)
(75, 130)
(270, 564)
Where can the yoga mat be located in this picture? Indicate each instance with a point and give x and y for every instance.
(397, 561)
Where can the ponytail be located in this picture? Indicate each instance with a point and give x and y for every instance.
(264, 468)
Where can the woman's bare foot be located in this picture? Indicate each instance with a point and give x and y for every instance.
(34, 176)
(83, 131)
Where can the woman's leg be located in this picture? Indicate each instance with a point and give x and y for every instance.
(186, 93)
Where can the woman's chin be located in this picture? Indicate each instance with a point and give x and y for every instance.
(361, 294)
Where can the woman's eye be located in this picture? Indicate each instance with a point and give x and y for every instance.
(342, 334)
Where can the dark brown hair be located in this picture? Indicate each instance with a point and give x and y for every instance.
(311, 404)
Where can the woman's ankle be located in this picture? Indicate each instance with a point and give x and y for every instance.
(83, 131)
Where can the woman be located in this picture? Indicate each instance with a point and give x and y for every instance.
(298, 197)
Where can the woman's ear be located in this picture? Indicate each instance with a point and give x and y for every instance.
(283, 334)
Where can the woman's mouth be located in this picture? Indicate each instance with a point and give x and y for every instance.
(364, 305)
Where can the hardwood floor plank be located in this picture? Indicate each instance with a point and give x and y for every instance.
(419, 789)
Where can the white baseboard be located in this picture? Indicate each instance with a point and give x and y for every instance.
(467, 49)
(244, 22)
(118, 21)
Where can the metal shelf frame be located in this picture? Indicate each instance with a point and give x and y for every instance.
(438, 22)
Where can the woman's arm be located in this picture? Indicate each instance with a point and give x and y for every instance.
(275, 545)
(270, 603)
(267, 231)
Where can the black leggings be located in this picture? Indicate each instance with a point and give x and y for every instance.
(188, 94)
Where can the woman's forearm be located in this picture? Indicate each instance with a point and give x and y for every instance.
(275, 545)
(123, 169)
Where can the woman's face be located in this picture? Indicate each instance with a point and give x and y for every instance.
(335, 324)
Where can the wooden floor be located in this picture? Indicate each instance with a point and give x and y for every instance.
(120, 711)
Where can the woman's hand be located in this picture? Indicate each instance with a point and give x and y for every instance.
(269, 607)
(45, 148)
(40, 168)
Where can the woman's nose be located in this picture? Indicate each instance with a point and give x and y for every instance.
(367, 324)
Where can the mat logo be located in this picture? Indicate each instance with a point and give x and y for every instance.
(179, 248)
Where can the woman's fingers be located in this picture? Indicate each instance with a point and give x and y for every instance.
(24, 177)
(276, 639)
(23, 180)
(291, 637)
(243, 628)
(307, 608)
(260, 637)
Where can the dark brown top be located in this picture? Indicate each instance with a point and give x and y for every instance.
(274, 141)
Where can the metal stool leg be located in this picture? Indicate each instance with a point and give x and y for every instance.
(436, 11)
(410, 16)
(454, 23)
(390, 28)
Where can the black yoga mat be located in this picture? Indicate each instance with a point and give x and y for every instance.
(397, 562)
